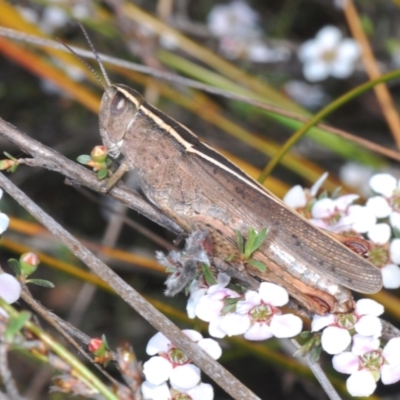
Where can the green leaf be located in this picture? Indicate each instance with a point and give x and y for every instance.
(315, 353)
(305, 349)
(102, 173)
(14, 264)
(104, 340)
(258, 264)
(15, 324)
(229, 305)
(41, 282)
(260, 239)
(84, 159)
(240, 242)
(208, 275)
(251, 238)
(306, 334)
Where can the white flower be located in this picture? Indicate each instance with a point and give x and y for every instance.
(364, 320)
(10, 288)
(234, 19)
(208, 305)
(258, 318)
(328, 54)
(171, 363)
(159, 344)
(367, 363)
(336, 215)
(53, 18)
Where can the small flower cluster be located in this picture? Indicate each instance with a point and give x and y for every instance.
(236, 25)
(367, 362)
(379, 221)
(170, 364)
(254, 314)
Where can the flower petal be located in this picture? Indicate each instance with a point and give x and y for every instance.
(258, 331)
(273, 294)
(394, 218)
(285, 326)
(214, 329)
(391, 276)
(317, 185)
(192, 334)
(380, 233)
(363, 344)
(361, 384)
(369, 325)
(390, 374)
(364, 219)
(346, 362)
(391, 351)
(295, 197)
(155, 392)
(383, 184)
(321, 321)
(323, 208)
(203, 391)
(158, 343)
(379, 206)
(369, 307)
(4, 222)
(234, 324)
(157, 370)
(334, 339)
(394, 250)
(185, 376)
(211, 347)
(10, 288)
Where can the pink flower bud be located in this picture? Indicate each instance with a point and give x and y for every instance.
(99, 154)
(94, 344)
(30, 258)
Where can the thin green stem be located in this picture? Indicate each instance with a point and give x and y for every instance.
(321, 115)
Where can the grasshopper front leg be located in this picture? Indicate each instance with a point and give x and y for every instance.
(113, 179)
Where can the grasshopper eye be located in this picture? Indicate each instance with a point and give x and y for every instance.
(119, 104)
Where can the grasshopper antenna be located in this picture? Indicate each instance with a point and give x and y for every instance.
(88, 66)
(96, 54)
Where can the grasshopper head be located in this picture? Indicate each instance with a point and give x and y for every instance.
(119, 107)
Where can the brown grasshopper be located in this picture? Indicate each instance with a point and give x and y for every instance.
(201, 190)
